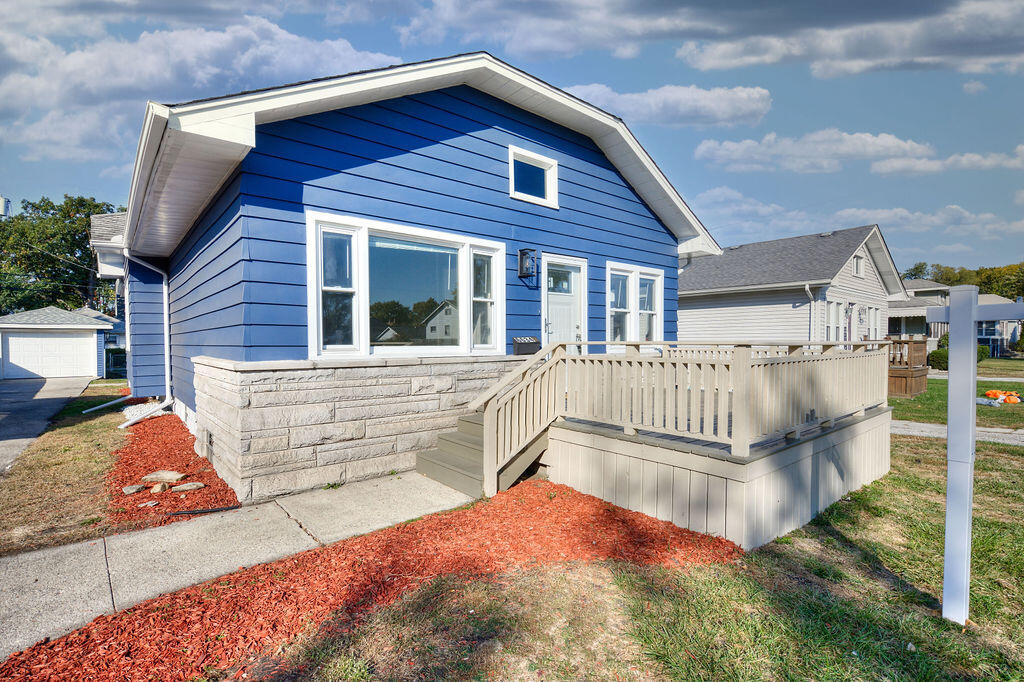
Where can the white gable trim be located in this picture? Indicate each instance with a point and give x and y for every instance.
(187, 151)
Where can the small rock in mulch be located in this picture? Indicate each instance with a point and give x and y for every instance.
(159, 488)
(132, 489)
(151, 503)
(163, 476)
(185, 487)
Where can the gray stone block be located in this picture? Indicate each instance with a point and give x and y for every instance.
(392, 426)
(432, 384)
(380, 466)
(327, 433)
(257, 418)
(334, 453)
(374, 409)
(273, 485)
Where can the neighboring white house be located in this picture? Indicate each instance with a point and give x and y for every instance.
(908, 317)
(51, 342)
(832, 286)
(442, 325)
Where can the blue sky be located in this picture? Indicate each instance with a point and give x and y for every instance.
(770, 120)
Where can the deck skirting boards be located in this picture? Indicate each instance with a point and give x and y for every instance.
(750, 503)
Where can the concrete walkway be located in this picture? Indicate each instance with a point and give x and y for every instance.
(945, 375)
(26, 406)
(49, 592)
(992, 435)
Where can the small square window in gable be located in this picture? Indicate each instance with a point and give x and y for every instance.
(532, 177)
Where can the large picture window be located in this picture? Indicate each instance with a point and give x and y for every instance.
(389, 289)
(634, 303)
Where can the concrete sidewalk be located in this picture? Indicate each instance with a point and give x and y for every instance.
(992, 435)
(49, 592)
(945, 375)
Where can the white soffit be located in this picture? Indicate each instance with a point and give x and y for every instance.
(887, 269)
(187, 151)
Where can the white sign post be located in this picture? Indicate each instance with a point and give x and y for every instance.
(963, 315)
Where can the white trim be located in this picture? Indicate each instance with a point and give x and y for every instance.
(634, 273)
(547, 164)
(361, 228)
(858, 265)
(753, 287)
(584, 284)
(219, 133)
(15, 325)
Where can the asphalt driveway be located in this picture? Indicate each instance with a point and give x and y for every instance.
(26, 406)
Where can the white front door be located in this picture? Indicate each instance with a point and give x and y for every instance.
(564, 295)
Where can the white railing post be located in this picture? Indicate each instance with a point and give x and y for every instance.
(491, 448)
(960, 432)
(741, 401)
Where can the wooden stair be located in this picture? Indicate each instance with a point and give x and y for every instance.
(458, 459)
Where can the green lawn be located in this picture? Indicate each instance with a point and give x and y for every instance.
(930, 406)
(1001, 367)
(852, 596)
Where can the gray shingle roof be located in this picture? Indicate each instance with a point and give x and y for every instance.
(808, 258)
(54, 317)
(106, 226)
(914, 284)
(917, 302)
(102, 317)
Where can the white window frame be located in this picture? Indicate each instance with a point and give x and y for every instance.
(317, 222)
(858, 266)
(547, 164)
(633, 274)
(547, 259)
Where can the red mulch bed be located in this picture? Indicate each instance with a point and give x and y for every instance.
(230, 622)
(132, 401)
(162, 443)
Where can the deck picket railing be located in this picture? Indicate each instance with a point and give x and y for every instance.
(735, 394)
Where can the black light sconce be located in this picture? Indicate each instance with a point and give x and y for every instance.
(527, 262)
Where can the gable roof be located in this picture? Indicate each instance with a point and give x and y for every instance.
(792, 262)
(925, 284)
(118, 325)
(53, 317)
(186, 151)
(107, 229)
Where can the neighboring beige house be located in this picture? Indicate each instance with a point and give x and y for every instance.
(831, 286)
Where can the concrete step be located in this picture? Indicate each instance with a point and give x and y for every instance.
(453, 471)
(458, 443)
(472, 424)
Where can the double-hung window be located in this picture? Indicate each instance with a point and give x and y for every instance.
(635, 303)
(380, 288)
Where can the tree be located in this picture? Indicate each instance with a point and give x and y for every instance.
(47, 259)
(391, 313)
(421, 309)
(917, 271)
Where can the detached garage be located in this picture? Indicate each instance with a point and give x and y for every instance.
(50, 342)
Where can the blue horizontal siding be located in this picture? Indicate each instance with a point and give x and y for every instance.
(206, 290)
(144, 303)
(437, 160)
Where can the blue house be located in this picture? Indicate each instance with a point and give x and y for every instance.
(369, 246)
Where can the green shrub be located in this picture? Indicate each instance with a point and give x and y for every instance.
(944, 340)
(1018, 345)
(939, 359)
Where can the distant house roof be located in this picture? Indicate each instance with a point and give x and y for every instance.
(987, 299)
(782, 263)
(107, 228)
(102, 317)
(914, 306)
(52, 317)
(926, 284)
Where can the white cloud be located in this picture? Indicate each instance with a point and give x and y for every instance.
(974, 36)
(678, 105)
(968, 161)
(974, 87)
(823, 151)
(734, 218)
(97, 92)
(971, 36)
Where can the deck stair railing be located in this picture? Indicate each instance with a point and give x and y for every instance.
(908, 352)
(736, 394)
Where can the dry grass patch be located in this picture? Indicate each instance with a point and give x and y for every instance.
(54, 493)
(561, 623)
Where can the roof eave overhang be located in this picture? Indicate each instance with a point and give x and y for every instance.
(187, 151)
(887, 270)
(753, 287)
(15, 325)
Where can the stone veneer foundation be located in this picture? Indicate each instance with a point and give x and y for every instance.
(271, 428)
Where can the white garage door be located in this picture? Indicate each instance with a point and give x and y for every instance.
(29, 354)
